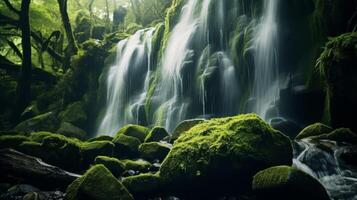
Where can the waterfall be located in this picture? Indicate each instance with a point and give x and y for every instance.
(266, 77)
(127, 82)
(323, 160)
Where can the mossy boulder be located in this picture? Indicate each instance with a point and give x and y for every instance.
(90, 150)
(44, 122)
(101, 138)
(154, 150)
(115, 166)
(12, 141)
(97, 184)
(313, 130)
(126, 146)
(74, 114)
(143, 185)
(69, 130)
(222, 155)
(185, 126)
(137, 165)
(156, 134)
(284, 182)
(139, 132)
(339, 135)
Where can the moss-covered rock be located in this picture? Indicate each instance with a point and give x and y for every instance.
(185, 126)
(97, 184)
(137, 165)
(12, 141)
(90, 150)
(143, 184)
(154, 150)
(44, 122)
(114, 165)
(126, 146)
(339, 135)
(313, 130)
(74, 114)
(69, 130)
(284, 182)
(156, 134)
(139, 132)
(222, 155)
(101, 138)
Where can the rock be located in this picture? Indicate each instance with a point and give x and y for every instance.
(115, 166)
(55, 149)
(284, 182)
(12, 141)
(69, 130)
(74, 114)
(287, 127)
(126, 146)
(313, 130)
(143, 185)
(154, 150)
(101, 138)
(156, 134)
(51, 195)
(337, 64)
(17, 167)
(97, 184)
(137, 165)
(349, 155)
(185, 126)
(29, 112)
(44, 122)
(90, 150)
(220, 155)
(339, 135)
(136, 131)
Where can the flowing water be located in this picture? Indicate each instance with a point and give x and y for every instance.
(325, 161)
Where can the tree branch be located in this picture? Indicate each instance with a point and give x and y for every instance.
(11, 7)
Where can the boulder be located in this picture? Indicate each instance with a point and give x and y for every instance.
(90, 150)
(136, 131)
(185, 126)
(137, 165)
(156, 134)
(344, 135)
(126, 146)
(101, 138)
(154, 150)
(69, 130)
(97, 184)
(313, 130)
(220, 155)
(74, 114)
(143, 185)
(115, 166)
(284, 182)
(44, 122)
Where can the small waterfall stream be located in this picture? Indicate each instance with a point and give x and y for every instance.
(324, 160)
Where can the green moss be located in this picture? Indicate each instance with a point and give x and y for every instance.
(39, 137)
(284, 182)
(97, 183)
(172, 16)
(154, 150)
(101, 138)
(137, 165)
(313, 130)
(338, 135)
(156, 134)
(74, 114)
(136, 131)
(226, 150)
(185, 126)
(69, 130)
(126, 146)
(12, 141)
(90, 150)
(44, 122)
(143, 184)
(114, 165)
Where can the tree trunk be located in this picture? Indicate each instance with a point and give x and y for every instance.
(136, 10)
(72, 48)
(24, 83)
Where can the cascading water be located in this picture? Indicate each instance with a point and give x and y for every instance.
(266, 81)
(127, 82)
(323, 160)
